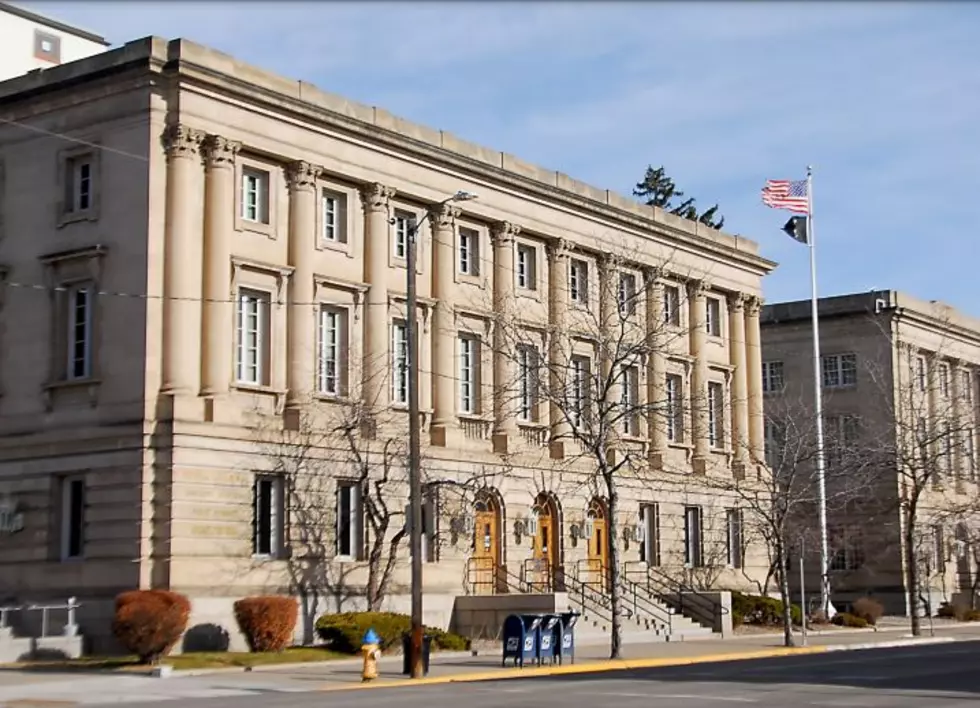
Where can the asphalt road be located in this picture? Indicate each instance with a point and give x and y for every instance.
(943, 676)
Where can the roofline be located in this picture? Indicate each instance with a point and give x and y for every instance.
(53, 24)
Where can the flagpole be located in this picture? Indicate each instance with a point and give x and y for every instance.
(818, 405)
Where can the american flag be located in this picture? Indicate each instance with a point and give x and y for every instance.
(786, 194)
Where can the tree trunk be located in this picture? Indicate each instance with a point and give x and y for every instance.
(912, 573)
(616, 640)
(784, 595)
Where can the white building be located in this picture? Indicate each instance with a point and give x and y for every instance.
(29, 41)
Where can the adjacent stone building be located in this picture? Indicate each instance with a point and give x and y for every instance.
(32, 42)
(195, 250)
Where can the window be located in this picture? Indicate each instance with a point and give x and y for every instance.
(430, 504)
(839, 370)
(268, 513)
(693, 545)
(255, 196)
(922, 433)
(672, 305)
(712, 307)
(469, 252)
(938, 549)
(581, 376)
(627, 294)
(399, 362)
(968, 460)
(772, 376)
(332, 369)
(947, 446)
(47, 47)
(920, 372)
(252, 356)
(629, 400)
(469, 374)
(848, 553)
(733, 524)
(578, 281)
(773, 443)
(405, 225)
(80, 184)
(79, 332)
(716, 414)
(527, 364)
(967, 386)
(72, 517)
(526, 267)
(349, 538)
(675, 408)
(650, 529)
(332, 209)
(944, 380)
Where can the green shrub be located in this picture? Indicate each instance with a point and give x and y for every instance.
(971, 616)
(867, 609)
(846, 619)
(946, 611)
(148, 623)
(267, 622)
(344, 632)
(760, 611)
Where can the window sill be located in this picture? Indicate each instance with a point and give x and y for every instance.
(246, 387)
(339, 246)
(88, 385)
(73, 383)
(680, 445)
(839, 387)
(339, 398)
(257, 227)
(73, 217)
(268, 557)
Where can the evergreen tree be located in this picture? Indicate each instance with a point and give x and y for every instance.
(659, 190)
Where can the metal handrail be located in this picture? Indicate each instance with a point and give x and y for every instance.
(632, 595)
(585, 601)
(670, 591)
(529, 572)
(70, 627)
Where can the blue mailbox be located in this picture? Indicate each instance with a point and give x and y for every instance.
(568, 620)
(521, 639)
(549, 639)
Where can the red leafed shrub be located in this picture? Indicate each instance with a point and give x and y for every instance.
(267, 621)
(149, 623)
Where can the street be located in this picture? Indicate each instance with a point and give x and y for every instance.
(935, 675)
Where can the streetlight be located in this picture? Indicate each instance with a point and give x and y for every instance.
(414, 442)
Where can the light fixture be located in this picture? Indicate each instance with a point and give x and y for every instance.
(463, 196)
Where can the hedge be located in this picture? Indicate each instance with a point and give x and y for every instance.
(149, 623)
(268, 622)
(759, 610)
(345, 632)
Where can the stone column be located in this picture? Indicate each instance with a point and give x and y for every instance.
(183, 264)
(444, 426)
(610, 325)
(697, 320)
(753, 370)
(658, 406)
(559, 345)
(219, 228)
(959, 419)
(740, 393)
(504, 370)
(934, 425)
(300, 317)
(376, 375)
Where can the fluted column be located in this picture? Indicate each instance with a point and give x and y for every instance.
(219, 308)
(504, 391)
(183, 264)
(301, 317)
(444, 380)
(375, 199)
(658, 407)
(609, 323)
(740, 394)
(697, 317)
(559, 345)
(753, 357)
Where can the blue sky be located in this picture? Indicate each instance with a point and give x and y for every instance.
(883, 99)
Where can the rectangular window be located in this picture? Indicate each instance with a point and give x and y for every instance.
(772, 376)
(47, 46)
(693, 544)
(72, 518)
(920, 372)
(733, 524)
(430, 504)
(947, 446)
(944, 380)
(526, 267)
(939, 549)
(848, 548)
(650, 530)
(399, 362)
(268, 515)
(578, 281)
(629, 400)
(255, 196)
(716, 414)
(581, 377)
(527, 364)
(80, 184)
(672, 305)
(79, 332)
(332, 369)
(839, 370)
(252, 357)
(332, 209)
(349, 516)
(713, 316)
(405, 224)
(967, 386)
(968, 460)
(922, 433)
(675, 408)
(627, 294)
(469, 252)
(469, 374)
(773, 443)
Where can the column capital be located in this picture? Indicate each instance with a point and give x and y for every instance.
(737, 301)
(442, 216)
(375, 196)
(753, 305)
(503, 232)
(697, 287)
(652, 275)
(181, 141)
(558, 248)
(219, 151)
(301, 175)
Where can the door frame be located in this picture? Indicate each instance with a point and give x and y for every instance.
(489, 577)
(598, 562)
(546, 576)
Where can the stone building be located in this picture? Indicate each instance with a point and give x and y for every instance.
(899, 381)
(32, 42)
(191, 245)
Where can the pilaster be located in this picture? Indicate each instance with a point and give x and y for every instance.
(753, 355)
(657, 403)
(504, 379)
(740, 396)
(609, 324)
(444, 430)
(697, 316)
(559, 349)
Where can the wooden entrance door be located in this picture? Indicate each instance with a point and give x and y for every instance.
(545, 545)
(599, 547)
(486, 545)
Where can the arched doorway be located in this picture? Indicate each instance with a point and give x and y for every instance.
(598, 545)
(546, 543)
(486, 559)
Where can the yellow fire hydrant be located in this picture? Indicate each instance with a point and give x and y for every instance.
(371, 652)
